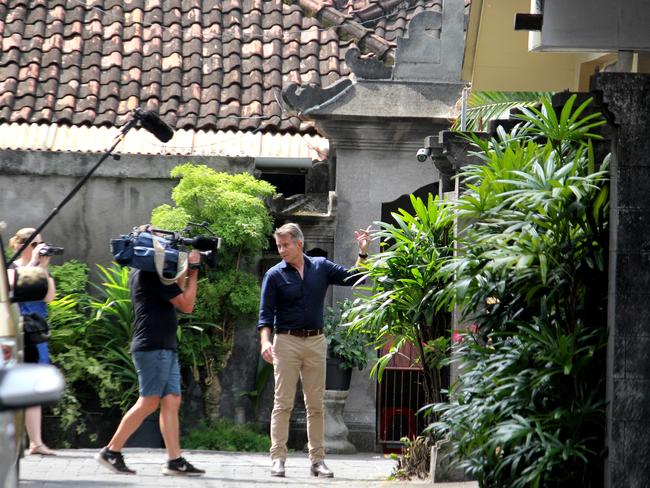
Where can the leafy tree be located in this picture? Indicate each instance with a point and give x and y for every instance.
(234, 208)
(402, 305)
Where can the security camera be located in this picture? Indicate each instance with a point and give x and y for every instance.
(423, 154)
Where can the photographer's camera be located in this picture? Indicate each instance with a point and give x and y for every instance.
(48, 250)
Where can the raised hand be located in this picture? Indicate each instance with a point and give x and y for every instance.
(363, 239)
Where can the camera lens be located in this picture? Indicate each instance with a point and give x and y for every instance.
(422, 154)
(51, 251)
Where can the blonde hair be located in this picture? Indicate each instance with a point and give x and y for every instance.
(292, 230)
(21, 236)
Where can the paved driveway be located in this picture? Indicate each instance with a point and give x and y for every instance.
(76, 468)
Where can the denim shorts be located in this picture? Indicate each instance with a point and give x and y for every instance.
(158, 372)
(43, 353)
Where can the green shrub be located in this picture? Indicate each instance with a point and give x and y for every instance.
(90, 343)
(527, 397)
(70, 277)
(401, 305)
(223, 435)
(350, 345)
(531, 275)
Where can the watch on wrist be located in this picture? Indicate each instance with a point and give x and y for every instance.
(363, 256)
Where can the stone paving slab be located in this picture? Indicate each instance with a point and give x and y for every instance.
(76, 468)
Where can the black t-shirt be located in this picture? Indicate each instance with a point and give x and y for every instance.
(155, 321)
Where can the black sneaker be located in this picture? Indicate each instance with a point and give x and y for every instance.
(181, 467)
(113, 461)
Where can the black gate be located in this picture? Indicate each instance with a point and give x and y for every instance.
(400, 395)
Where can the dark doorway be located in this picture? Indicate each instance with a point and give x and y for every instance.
(404, 201)
(400, 395)
(288, 184)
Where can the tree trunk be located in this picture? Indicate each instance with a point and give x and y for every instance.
(211, 386)
(212, 397)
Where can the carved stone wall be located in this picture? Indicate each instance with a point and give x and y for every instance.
(627, 99)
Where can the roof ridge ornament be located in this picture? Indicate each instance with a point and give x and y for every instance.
(432, 50)
(307, 98)
(364, 67)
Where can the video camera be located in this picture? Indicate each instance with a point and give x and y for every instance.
(206, 245)
(48, 250)
(137, 248)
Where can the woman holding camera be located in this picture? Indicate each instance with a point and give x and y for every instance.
(36, 353)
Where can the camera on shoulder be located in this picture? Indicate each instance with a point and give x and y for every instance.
(206, 245)
(138, 249)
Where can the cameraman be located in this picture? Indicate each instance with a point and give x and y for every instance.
(35, 353)
(154, 351)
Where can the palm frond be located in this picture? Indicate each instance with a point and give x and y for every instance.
(483, 106)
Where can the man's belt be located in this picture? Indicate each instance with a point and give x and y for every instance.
(300, 332)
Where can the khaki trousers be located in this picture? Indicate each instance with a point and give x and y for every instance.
(293, 358)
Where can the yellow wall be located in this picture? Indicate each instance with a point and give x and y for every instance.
(499, 57)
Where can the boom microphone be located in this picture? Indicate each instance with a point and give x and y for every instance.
(154, 124)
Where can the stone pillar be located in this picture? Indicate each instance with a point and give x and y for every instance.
(336, 432)
(626, 97)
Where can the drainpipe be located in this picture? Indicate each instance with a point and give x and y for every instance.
(624, 62)
(463, 110)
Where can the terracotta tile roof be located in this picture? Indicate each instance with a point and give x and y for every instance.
(205, 65)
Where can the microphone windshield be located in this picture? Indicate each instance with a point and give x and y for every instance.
(154, 124)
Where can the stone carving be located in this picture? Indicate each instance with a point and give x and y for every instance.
(432, 50)
(422, 42)
(312, 204)
(366, 68)
(450, 151)
(310, 97)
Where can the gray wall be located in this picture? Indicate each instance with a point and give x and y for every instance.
(119, 195)
(365, 180)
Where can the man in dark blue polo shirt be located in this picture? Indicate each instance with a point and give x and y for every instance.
(293, 295)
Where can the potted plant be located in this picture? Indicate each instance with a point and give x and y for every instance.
(346, 349)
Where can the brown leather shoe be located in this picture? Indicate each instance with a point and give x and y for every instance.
(320, 469)
(278, 468)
